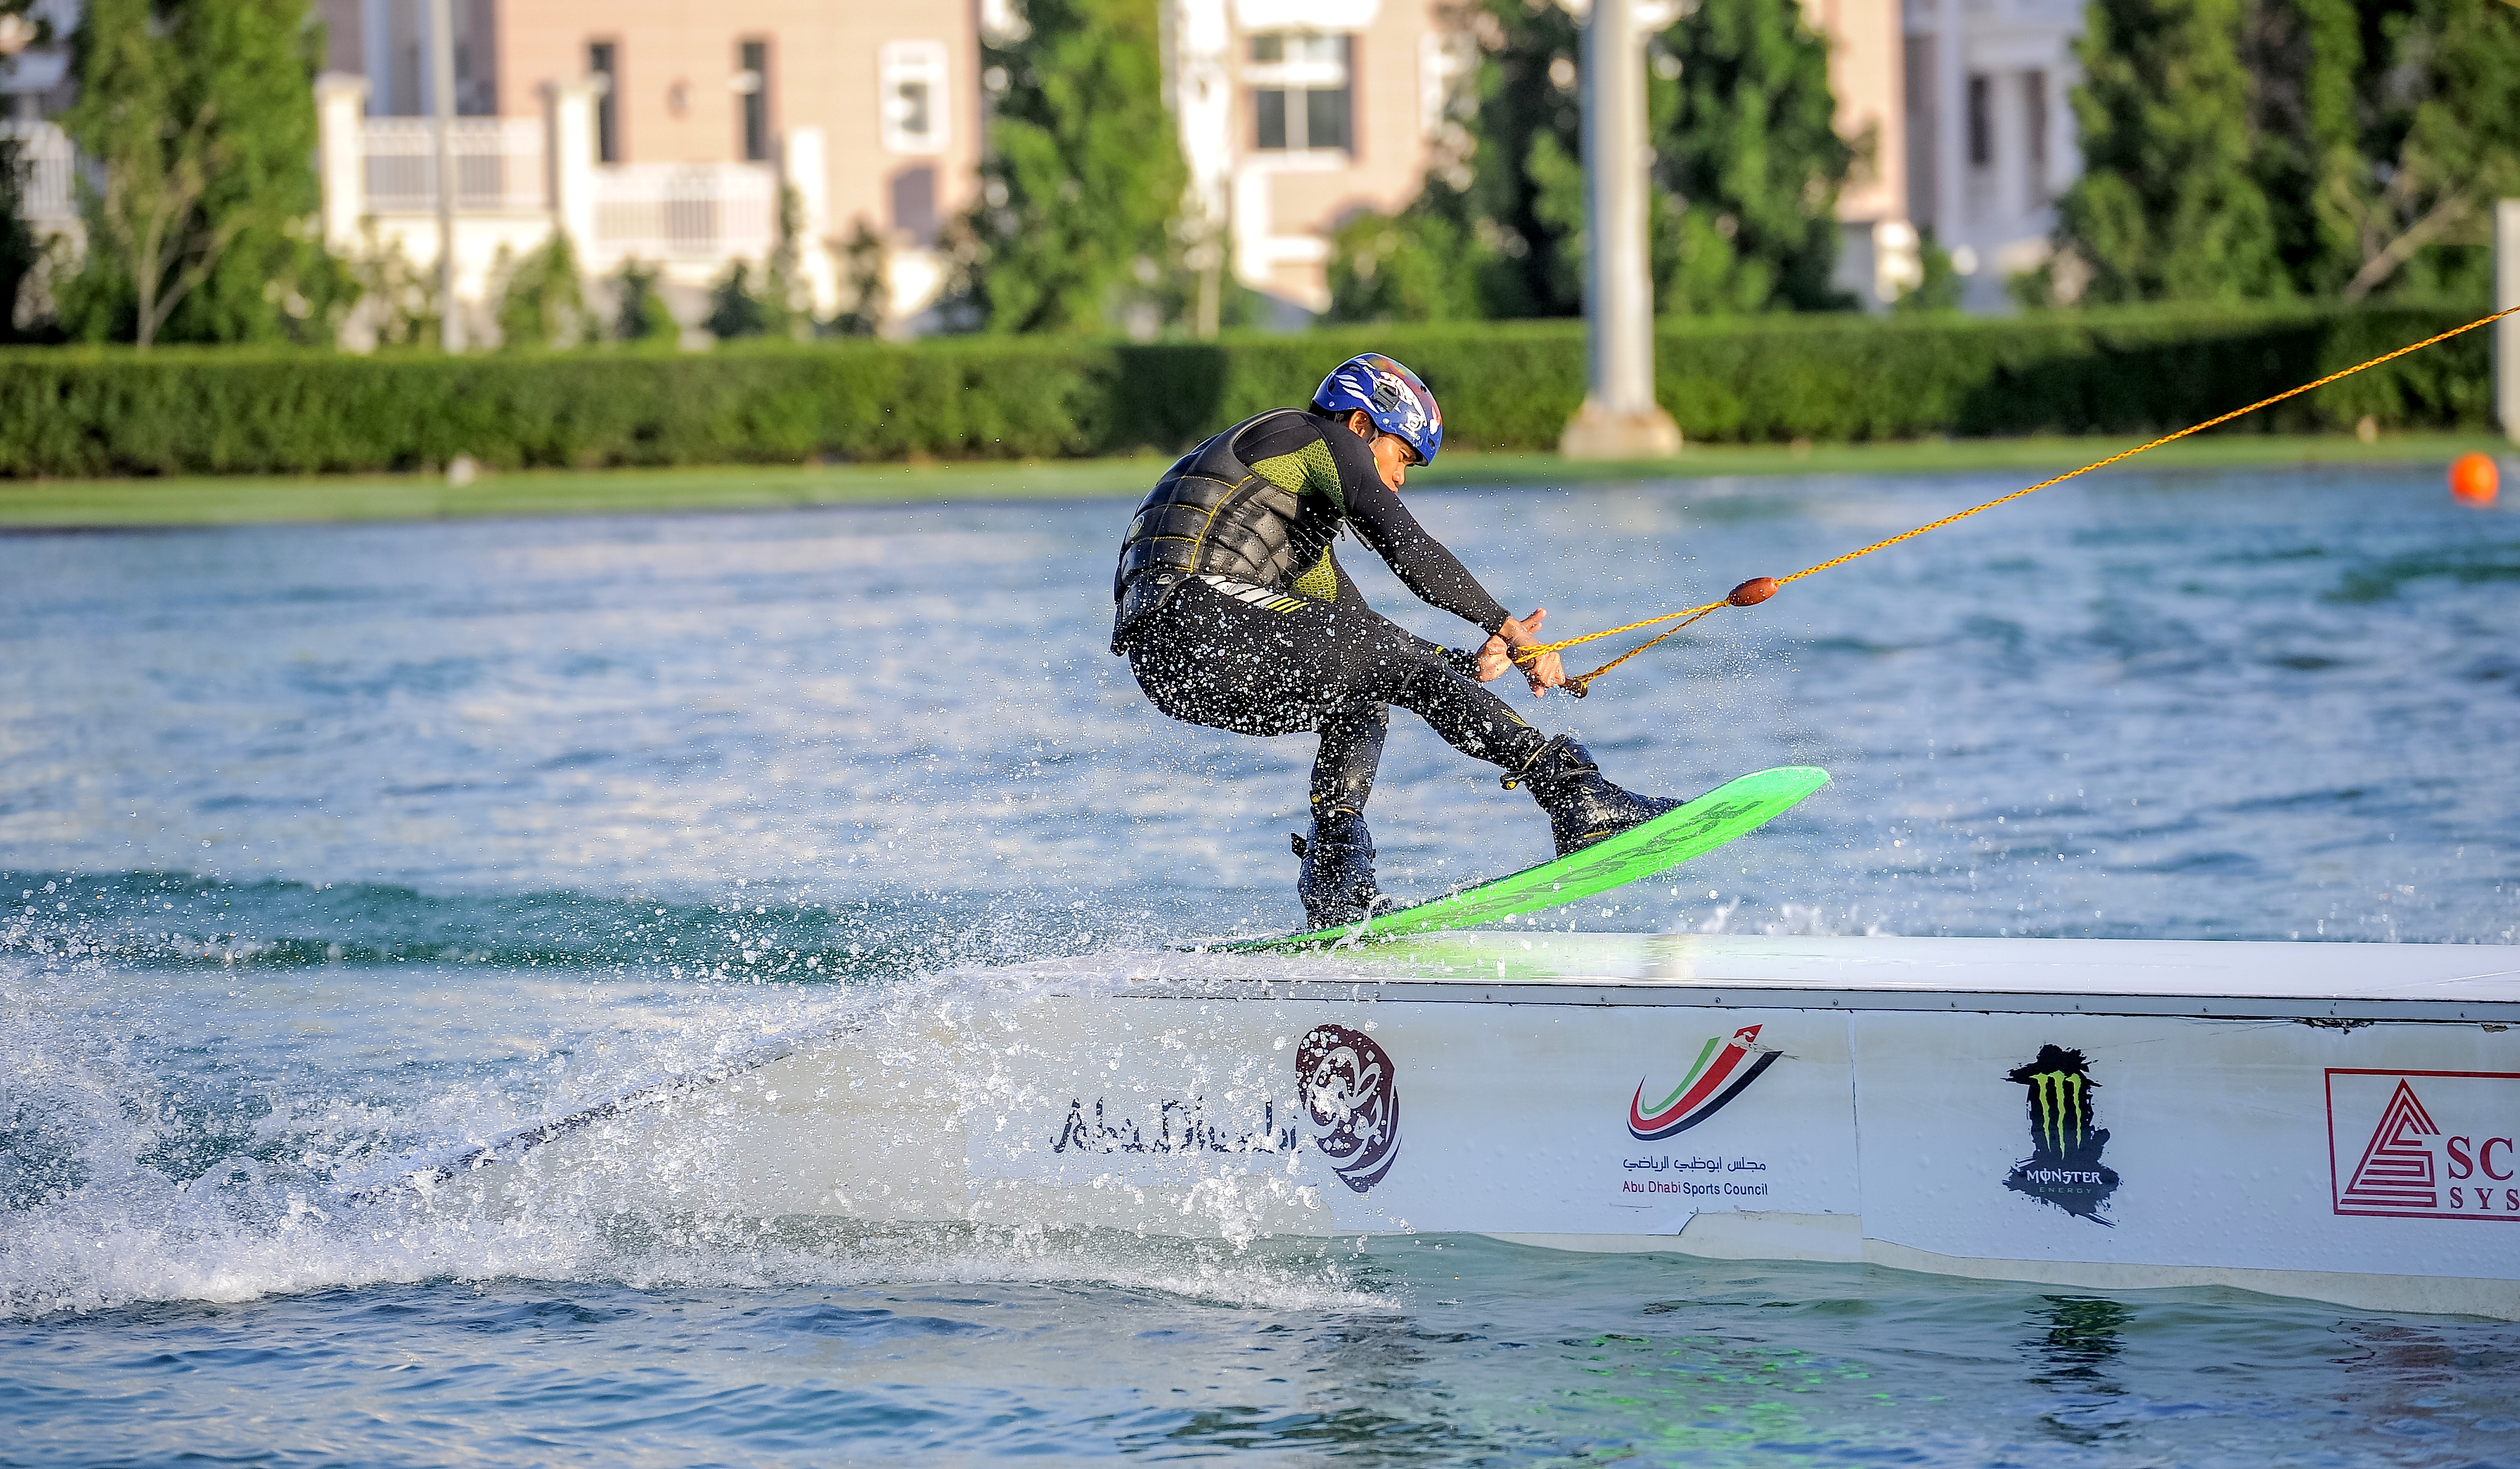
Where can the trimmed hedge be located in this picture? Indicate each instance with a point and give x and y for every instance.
(94, 411)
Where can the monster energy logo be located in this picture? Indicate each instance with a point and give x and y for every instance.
(2058, 1118)
(2064, 1167)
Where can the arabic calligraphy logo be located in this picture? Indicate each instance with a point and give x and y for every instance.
(1181, 1127)
(1350, 1088)
(1709, 1088)
(2064, 1167)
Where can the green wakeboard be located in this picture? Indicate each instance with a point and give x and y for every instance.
(1734, 808)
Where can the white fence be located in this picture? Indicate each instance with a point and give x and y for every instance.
(498, 163)
(661, 211)
(52, 167)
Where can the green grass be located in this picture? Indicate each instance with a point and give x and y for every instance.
(63, 504)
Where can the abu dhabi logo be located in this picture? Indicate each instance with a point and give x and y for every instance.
(1723, 1070)
(1351, 1092)
(2064, 1167)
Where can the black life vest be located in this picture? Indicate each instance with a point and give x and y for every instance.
(1212, 514)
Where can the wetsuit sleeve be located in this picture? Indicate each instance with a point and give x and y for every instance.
(1418, 558)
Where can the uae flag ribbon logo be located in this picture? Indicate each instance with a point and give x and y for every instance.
(1719, 1076)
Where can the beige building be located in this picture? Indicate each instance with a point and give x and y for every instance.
(1297, 113)
(1878, 258)
(660, 130)
(1990, 135)
(668, 131)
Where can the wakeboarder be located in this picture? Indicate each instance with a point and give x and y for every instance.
(1234, 614)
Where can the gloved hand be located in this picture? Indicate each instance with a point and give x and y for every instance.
(1495, 656)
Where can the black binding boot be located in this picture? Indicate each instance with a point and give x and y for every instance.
(1336, 884)
(1583, 808)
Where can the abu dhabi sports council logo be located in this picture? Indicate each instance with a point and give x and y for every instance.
(2424, 1144)
(1723, 1070)
(2064, 1167)
(1350, 1089)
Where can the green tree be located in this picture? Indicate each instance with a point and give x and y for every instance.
(2169, 206)
(773, 302)
(2261, 147)
(1557, 203)
(786, 306)
(2309, 68)
(1939, 286)
(20, 250)
(1465, 247)
(397, 300)
(1084, 177)
(640, 313)
(1746, 180)
(201, 115)
(1527, 127)
(1419, 265)
(862, 276)
(544, 302)
(2442, 143)
(736, 309)
(1495, 230)
(1746, 146)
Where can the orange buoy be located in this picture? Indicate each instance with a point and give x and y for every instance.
(2473, 479)
(1753, 592)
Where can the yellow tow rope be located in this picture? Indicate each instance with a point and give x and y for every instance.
(1759, 588)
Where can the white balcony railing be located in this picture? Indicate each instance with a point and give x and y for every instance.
(52, 168)
(661, 211)
(498, 163)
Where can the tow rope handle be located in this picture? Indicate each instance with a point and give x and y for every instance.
(1749, 594)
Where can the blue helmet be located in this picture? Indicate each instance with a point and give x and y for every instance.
(1391, 395)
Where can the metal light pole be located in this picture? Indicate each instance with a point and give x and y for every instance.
(2507, 331)
(1619, 419)
(441, 78)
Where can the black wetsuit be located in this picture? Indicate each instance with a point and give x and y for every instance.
(1301, 651)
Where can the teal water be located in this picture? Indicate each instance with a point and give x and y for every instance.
(326, 847)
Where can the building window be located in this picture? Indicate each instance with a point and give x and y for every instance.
(752, 84)
(914, 204)
(602, 68)
(910, 81)
(1981, 122)
(1300, 97)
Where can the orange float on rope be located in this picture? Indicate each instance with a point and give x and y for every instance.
(2474, 479)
